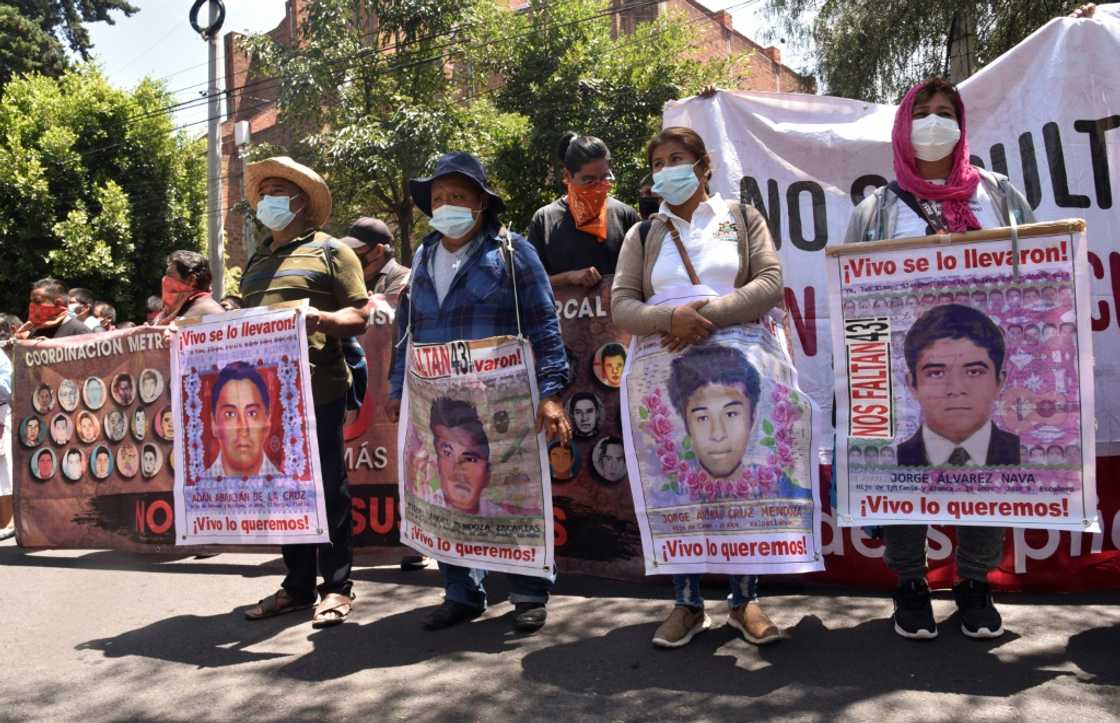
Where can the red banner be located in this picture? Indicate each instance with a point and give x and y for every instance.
(596, 532)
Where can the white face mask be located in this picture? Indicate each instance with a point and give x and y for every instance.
(276, 212)
(92, 322)
(934, 137)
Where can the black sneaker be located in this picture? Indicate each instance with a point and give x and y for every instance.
(979, 617)
(913, 614)
(450, 613)
(529, 617)
(413, 562)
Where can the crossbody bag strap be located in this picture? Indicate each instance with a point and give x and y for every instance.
(682, 252)
(919, 209)
(506, 244)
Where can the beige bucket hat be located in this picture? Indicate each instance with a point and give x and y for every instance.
(311, 183)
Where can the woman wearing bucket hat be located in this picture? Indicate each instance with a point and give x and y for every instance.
(938, 190)
(297, 261)
(463, 288)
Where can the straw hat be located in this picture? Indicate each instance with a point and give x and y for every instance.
(312, 185)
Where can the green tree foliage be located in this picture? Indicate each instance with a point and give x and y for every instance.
(375, 99)
(96, 188)
(34, 34)
(440, 75)
(876, 49)
(568, 70)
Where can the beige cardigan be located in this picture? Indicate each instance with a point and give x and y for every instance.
(758, 285)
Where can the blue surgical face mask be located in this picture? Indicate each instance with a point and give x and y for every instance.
(73, 309)
(453, 221)
(276, 212)
(676, 184)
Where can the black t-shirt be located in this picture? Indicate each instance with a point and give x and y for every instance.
(70, 327)
(562, 247)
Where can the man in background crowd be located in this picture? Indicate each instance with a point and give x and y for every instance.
(105, 314)
(48, 313)
(81, 308)
(372, 241)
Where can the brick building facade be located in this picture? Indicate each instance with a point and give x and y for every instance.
(252, 98)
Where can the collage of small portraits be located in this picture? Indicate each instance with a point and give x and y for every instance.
(593, 442)
(87, 428)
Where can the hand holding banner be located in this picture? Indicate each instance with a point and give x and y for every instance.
(247, 457)
(473, 474)
(721, 452)
(965, 389)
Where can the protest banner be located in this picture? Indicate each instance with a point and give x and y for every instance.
(92, 459)
(721, 452)
(965, 391)
(1037, 114)
(246, 453)
(371, 438)
(473, 473)
(596, 531)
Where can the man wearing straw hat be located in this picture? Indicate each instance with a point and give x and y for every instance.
(298, 261)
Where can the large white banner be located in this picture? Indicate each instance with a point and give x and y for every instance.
(1044, 114)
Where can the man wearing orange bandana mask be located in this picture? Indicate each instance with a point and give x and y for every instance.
(47, 315)
(185, 288)
(578, 236)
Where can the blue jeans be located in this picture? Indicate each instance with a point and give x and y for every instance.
(744, 589)
(464, 585)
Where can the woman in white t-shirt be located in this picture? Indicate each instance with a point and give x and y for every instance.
(939, 190)
(731, 252)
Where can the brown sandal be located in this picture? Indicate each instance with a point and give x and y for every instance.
(278, 603)
(332, 610)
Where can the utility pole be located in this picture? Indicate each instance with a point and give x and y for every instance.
(961, 60)
(214, 244)
(242, 137)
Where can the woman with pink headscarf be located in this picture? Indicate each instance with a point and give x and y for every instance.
(938, 190)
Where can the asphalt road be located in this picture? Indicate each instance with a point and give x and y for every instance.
(106, 636)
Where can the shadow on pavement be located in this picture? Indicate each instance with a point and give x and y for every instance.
(867, 658)
(12, 556)
(1094, 651)
(204, 641)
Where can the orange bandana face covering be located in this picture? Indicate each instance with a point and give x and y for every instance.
(588, 206)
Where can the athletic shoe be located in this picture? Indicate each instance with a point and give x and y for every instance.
(413, 562)
(680, 627)
(753, 623)
(913, 613)
(979, 617)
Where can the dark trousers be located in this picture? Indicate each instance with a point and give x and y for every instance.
(979, 550)
(333, 561)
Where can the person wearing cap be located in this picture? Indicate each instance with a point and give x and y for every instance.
(578, 236)
(462, 288)
(298, 261)
(372, 241)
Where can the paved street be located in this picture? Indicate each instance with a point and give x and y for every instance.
(94, 636)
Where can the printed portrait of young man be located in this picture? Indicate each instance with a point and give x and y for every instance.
(462, 457)
(715, 390)
(585, 411)
(955, 370)
(611, 361)
(240, 419)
